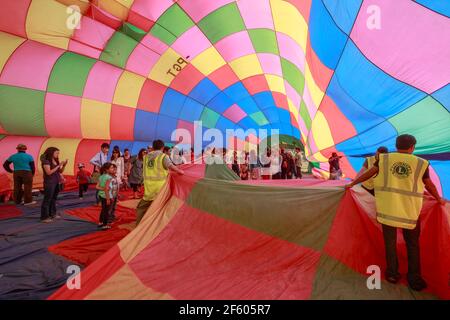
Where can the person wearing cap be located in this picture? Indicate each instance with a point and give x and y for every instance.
(83, 179)
(23, 173)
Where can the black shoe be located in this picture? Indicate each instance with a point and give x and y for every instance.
(393, 279)
(417, 284)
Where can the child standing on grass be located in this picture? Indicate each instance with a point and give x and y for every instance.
(83, 178)
(105, 186)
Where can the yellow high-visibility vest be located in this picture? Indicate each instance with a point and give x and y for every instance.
(368, 184)
(399, 189)
(155, 175)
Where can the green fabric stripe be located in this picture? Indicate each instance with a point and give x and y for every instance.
(300, 215)
(264, 40)
(175, 20)
(22, 111)
(293, 75)
(222, 22)
(209, 118)
(418, 119)
(259, 118)
(133, 31)
(162, 34)
(69, 74)
(334, 280)
(118, 49)
(304, 114)
(221, 172)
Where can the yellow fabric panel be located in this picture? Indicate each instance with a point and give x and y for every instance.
(287, 19)
(314, 90)
(125, 285)
(128, 89)
(67, 150)
(246, 66)
(320, 157)
(8, 43)
(47, 23)
(82, 4)
(293, 109)
(208, 61)
(95, 117)
(161, 71)
(160, 213)
(321, 132)
(276, 83)
(117, 8)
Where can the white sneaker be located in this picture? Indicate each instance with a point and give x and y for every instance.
(30, 203)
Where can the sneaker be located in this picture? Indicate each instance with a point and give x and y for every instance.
(104, 228)
(48, 220)
(100, 225)
(418, 284)
(393, 278)
(29, 203)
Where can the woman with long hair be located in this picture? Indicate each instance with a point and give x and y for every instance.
(52, 168)
(118, 161)
(136, 176)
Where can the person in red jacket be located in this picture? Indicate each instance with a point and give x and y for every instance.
(83, 179)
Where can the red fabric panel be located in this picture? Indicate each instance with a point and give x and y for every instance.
(303, 6)
(104, 17)
(217, 259)
(256, 84)
(86, 249)
(93, 276)
(223, 77)
(280, 100)
(187, 79)
(13, 16)
(122, 123)
(321, 73)
(92, 214)
(9, 211)
(151, 96)
(139, 21)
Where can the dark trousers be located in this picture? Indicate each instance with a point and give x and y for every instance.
(106, 209)
(48, 208)
(298, 172)
(112, 210)
(83, 187)
(23, 178)
(412, 246)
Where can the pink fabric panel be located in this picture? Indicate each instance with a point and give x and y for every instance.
(197, 9)
(142, 60)
(235, 46)
(8, 147)
(256, 16)
(291, 51)
(30, 66)
(13, 15)
(154, 44)
(234, 113)
(191, 43)
(413, 46)
(101, 82)
(151, 9)
(83, 49)
(62, 115)
(312, 109)
(93, 33)
(292, 94)
(270, 63)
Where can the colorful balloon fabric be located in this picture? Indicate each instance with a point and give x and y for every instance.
(340, 76)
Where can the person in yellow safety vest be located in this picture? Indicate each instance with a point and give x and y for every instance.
(399, 186)
(368, 184)
(156, 166)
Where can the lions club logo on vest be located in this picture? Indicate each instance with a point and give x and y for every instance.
(401, 170)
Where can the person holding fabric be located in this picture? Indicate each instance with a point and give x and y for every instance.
(298, 158)
(368, 184)
(399, 184)
(24, 169)
(52, 170)
(156, 169)
(335, 167)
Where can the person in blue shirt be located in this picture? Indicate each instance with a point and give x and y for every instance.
(23, 173)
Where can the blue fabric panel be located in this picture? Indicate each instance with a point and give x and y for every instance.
(248, 105)
(191, 110)
(264, 99)
(443, 96)
(166, 125)
(237, 91)
(172, 103)
(145, 125)
(343, 12)
(220, 103)
(440, 6)
(204, 91)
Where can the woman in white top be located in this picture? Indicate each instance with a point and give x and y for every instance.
(118, 161)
